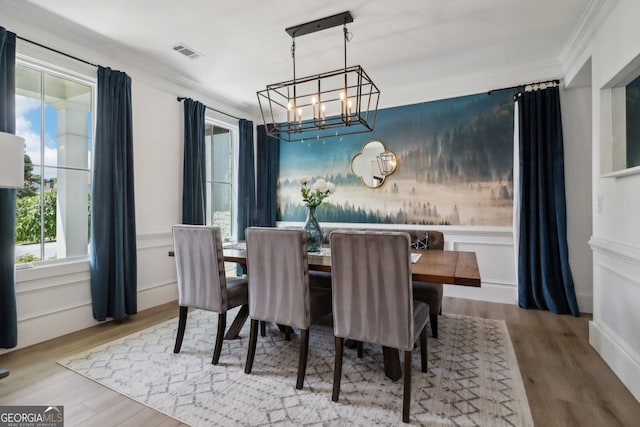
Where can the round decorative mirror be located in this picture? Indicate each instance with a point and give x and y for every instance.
(373, 164)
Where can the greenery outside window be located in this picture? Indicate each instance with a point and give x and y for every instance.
(54, 113)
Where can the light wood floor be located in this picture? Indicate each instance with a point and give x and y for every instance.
(567, 383)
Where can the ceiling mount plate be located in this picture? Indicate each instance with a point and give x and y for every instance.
(320, 24)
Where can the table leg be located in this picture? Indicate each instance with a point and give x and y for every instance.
(350, 344)
(286, 330)
(391, 363)
(238, 323)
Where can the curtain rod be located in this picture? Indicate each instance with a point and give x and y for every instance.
(182, 98)
(56, 51)
(524, 85)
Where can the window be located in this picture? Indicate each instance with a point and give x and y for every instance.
(219, 148)
(54, 114)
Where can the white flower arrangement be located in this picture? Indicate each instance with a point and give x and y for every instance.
(319, 190)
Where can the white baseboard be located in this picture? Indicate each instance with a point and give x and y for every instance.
(620, 358)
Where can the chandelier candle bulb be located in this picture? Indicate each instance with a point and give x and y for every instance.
(313, 103)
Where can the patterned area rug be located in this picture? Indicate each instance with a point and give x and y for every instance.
(473, 377)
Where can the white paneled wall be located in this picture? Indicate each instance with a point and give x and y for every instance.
(52, 301)
(613, 332)
(55, 300)
(496, 261)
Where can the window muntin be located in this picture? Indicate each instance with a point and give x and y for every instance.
(54, 115)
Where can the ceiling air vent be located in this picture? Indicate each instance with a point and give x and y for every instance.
(186, 51)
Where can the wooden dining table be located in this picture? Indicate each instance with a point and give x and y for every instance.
(448, 267)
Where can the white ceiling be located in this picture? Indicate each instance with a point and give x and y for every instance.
(408, 47)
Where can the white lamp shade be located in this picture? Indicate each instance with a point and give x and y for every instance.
(11, 161)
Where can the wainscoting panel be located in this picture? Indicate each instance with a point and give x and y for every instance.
(613, 332)
(55, 299)
(496, 261)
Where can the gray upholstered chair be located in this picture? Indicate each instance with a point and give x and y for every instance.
(373, 299)
(202, 282)
(279, 290)
(427, 292)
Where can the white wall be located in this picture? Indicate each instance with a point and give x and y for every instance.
(576, 121)
(615, 209)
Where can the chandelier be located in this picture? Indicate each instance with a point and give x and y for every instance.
(333, 103)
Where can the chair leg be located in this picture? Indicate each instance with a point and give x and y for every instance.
(251, 352)
(423, 349)
(360, 352)
(287, 333)
(406, 400)
(337, 369)
(433, 319)
(222, 325)
(182, 323)
(263, 328)
(302, 363)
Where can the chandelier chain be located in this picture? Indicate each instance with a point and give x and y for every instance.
(293, 56)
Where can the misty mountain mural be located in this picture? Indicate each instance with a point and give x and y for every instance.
(455, 166)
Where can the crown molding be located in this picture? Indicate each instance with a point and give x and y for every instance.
(593, 17)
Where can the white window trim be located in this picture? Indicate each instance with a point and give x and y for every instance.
(77, 77)
(235, 141)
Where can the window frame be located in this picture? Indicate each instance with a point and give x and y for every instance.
(54, 70)
(234, 138)
(613, 128)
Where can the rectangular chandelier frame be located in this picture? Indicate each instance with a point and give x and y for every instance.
(323, 104)
(330, 104)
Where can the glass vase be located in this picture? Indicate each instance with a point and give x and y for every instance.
(314, 232)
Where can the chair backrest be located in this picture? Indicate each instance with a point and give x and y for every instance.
(278, 273)
(372, 296)
(419, 236)
(435, 239)
(200, 266)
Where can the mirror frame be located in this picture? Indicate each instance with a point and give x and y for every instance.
(371, 154)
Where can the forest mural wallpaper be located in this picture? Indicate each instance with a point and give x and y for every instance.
(455, 166)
